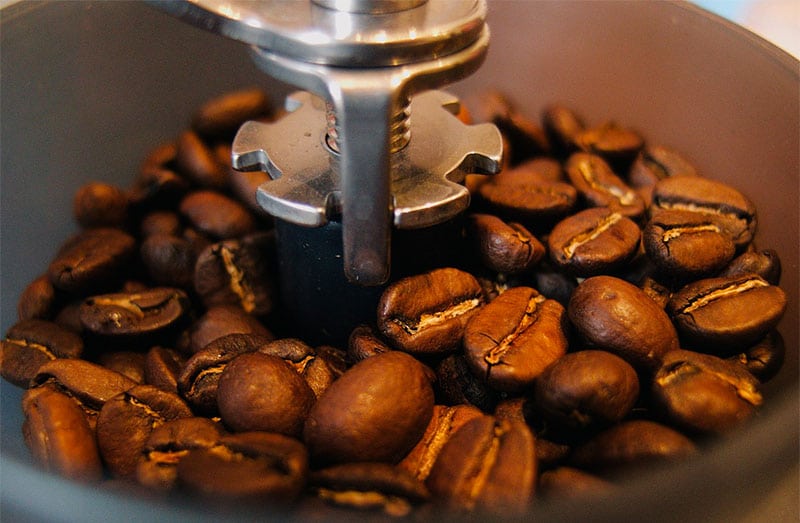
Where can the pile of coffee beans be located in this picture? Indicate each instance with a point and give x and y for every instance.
(605, 309)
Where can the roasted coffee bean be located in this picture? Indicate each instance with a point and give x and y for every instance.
(593, 241)
(162, 366)
(160, 156)
(369, 486)
(195, 160)
(426, 314)
(563, 126)
(307, 362)
(443, 424)
(126, 421)
(655, 163)
(221, 117)
(363, 343)
(687, 245)
(58, 435)
(383, 424)
(38, 300)
(504, 247)
(733, 212)
(215, 214)
(512, 340)
(614, 315)
(766, 264)
(636, 443)
(764, 359)
(703, 393)
(237, 272)
(160, 222)
(86, 383)
(544, 167)
(157, 188)
(616, 145)
(262, 392)
(553, 284)
(29, 344)
(655, 290)
(223, 320)
(91, 260)
(720, 315)
(169, 260)
(98, 204)
(199, 379)
(600, 187)
(247, 467)
(136, 313)
(569, 482)
(527, 197)
(127, 363)
(587, 389)
(168, 444)
(488, 465)
(457, 385)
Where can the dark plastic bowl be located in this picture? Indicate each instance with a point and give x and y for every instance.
(89, 88)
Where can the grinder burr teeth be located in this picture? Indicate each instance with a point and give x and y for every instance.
(362, 151)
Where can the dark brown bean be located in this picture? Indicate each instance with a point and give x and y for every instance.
(169, 260)
(29, 344)
(488, 465)
(162, 367)
(766, 264)
(587, 389)
(593, 241)
(703, 393)
(568, 482)
(160, 222)
(135, 313)
(59, 436)
(563, 126)
(195, 160)
(168, 444)
(98, 204)
(504, 247)
(427, 313)
(614, 315)
(221, 117)
(126, 421)
(457, 385)
(312, 365)
(363, 343)
(37, 300)
(527, 197)
(617, 145)
(369, 486)
(764, 359)
(223, 320)
(262, 392)
(512, 340)
(215, 214)
(600, 187)
(383, 424)
(655, 163)
(91, 260)
(720, 315)
(247, 467)
(127, 363)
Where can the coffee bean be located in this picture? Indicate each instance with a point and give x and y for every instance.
(237, 272)
(222, 320)
(162, 367)
(488, 465)
(614, 315)
(215, 214)
(766, 264)
(636, 443)
(563, 127)
(29, 344)
(160, 222)
(98, 204)
(504, 247)
(600, 187)
(255, 467)
(427, 313)
(687, 245)
(134, 314)
(383, 424)
(168, 444)
(553, 284)
(587, 389)
(456, 384)
(313, 366)
(169, 260)
(512, 340)
(38, 300)
(656, 291)
(617, 145)
(126, 421)
(593, 241)
(127, 363)
(198, 381)
(195, 160)
(364, 343)
(222, 116)
(655, 163)
(720, 315)
(764, 359)
(443, 424)
(157, 187)
(262, 392)
(58, 435)
(569, 482)
(733, 212)
(91, 260)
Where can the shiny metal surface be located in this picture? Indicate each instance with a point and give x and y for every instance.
(367, 66)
